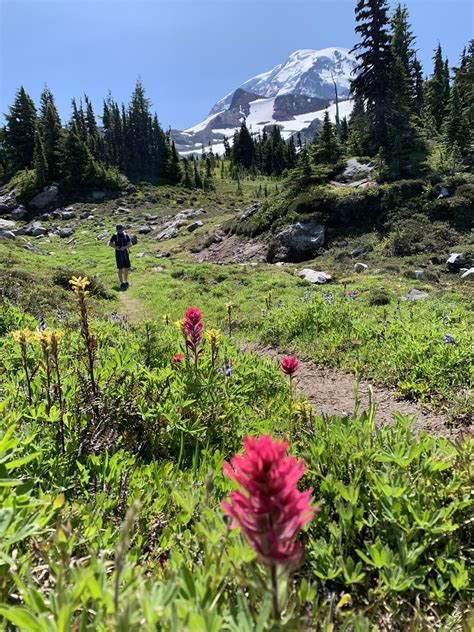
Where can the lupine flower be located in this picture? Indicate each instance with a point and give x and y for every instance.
(61, 315)
(449, 340)
(177, 359)
(329, 298)
(114, 317)
(42, 326)
(270, 509)
(289, 365)
(352, 294)
(228, 372)
(307, 296)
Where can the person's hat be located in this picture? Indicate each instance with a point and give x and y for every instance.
(119, 227)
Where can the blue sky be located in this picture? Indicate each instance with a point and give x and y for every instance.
(189, 53)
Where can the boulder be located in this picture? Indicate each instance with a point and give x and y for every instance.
(35, 230)
(248, 212)
(192, 227)
(8, 202)
(168, 233)
(420, 275)
(66, 232)
(6, 224)
(45, 198)
(315, 276)
(45, 217)
(151, 218)
(122, 211)
(360, 267)
(443, 193)
(356, 170)
(19, 213)
(415, 295)
(360, 250)
(180, 200)
(144, 230)
(456, 260)
(299, 241)
(7, 234)
(67, 214)
(98, 196)
(19, 231)
(469, 274)
(102, 236)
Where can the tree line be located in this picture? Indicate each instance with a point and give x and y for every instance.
(82, 153)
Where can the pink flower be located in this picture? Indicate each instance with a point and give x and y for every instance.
(270, 510)
(289, 365)
(177, 359)
(193, 327)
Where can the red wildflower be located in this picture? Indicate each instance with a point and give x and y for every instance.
(272, 510)
(289, 365)
(192, 327)
(177, 359)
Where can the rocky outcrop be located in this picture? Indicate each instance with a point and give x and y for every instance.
(298, 242)
(45, 198)
(192, 227)
(360, 267)
(18, 213)
(456, 260)
(8, 202)
(145, 229)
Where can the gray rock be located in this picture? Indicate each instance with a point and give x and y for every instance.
(98, 196)
(443, 193)
(133, 239)
(315, 276)
(19, 231)
(299, 241)
(19, 213)
(102, 236)
(179, 200)
(162, 255)
(356, 170)
(168, 233)
(415, 295)
(456, 260)
(6, 224)
(192, 227)
(8, 202)
(248, 212)
(35, 230)
(32, 248)
(360, 267)
(65, 215)
(157, 269)
(469, 274)
(151, 218)
(144, 230)
(45, 198)
(66, 232)
(7, 234)
(122, 211)
(45, 217)
(420, 275)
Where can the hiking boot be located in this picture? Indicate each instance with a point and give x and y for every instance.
(123, 286)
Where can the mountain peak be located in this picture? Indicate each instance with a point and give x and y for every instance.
(304, 72)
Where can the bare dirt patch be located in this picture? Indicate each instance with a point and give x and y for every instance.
(331, 392)
(234, 249)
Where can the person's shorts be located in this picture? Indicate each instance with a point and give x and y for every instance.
(122, 258)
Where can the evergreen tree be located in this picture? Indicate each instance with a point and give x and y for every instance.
(418, 87)
(227, 149)
(326, 148)
(197, 176)
(79, 120)
(208, 178)
(20, 131)
(456, 127)
(374, 57)
(93, 136)
(464, 80)
(139, 133)
(174, 171)
(188, 180)
(436, 90)
(243, 150)
(77, 163)
(39, 161)
(344, 135)
(49, 125)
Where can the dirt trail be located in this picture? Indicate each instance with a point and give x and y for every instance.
(132, 308)
(331, 391)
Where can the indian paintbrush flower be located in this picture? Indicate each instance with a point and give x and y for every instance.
(213, 337)
(23, 337)
(177, 359)
(268, 507)
(289, 365)
(192, 327)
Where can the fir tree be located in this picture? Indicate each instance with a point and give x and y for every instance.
(20, 131)
(344, 135)
(326, 148)
(188, 180)
(174, 171)
(93, 136)
(39, 161)
(243, 150)
(418, 87)
(464, 80)
(197, 176)
(436, 90)
(456, 127)
(374, 57)
(139, 133)
(49, 125)
(208, 178)
(77, 163)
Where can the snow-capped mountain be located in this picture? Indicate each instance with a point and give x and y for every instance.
(306, 72)
(294, 96)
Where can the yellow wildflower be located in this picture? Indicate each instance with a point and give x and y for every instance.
(213, 336)
(180, 325)
(79, 284)
(22, 335)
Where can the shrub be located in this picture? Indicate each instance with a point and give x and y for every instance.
(379, 297)
(96, 288)
(26, 184)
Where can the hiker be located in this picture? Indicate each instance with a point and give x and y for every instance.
(121, 242)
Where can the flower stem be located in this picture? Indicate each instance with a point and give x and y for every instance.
(275, 606)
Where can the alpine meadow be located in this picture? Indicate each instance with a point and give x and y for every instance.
(236, 359)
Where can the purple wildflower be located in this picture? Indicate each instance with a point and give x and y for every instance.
(449, 340)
